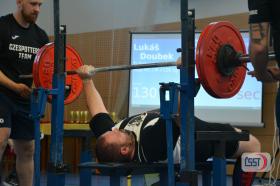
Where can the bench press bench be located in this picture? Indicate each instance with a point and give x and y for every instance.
(119, 171)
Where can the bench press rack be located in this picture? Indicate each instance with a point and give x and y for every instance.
(187, 168)
(168, 107)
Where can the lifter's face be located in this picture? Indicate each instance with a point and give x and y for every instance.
(124, 139)
(29, 9)
(121, 137)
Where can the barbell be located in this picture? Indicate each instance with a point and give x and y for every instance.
(117, 68)
(221, 61)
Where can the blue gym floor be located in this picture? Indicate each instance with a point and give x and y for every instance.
(73, 180)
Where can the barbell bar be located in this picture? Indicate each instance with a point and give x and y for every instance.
(117, 68)
(128, 67)
(241, 58)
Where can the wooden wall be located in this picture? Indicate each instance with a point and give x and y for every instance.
(111, 47)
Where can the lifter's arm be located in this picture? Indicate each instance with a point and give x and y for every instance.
(93, 98)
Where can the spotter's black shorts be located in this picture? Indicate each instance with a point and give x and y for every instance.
(16, 116)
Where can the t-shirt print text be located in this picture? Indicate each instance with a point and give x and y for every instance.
(24, 52)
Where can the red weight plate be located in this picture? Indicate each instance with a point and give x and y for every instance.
(34, 69)
(198, 51)
(45, 68)
(73, 62)
(214, 36)
(35, 65)
(204, 82)
(34, 73)
(199, 54)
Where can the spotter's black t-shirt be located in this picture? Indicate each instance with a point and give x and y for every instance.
(18, 48)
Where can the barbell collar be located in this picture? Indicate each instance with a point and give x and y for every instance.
(228, 59)
(246, 58)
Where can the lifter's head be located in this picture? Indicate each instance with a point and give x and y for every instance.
(115, 146)
(27, 11)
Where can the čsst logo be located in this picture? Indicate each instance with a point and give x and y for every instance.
(256, 162)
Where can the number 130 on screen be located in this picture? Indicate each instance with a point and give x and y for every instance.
(145, 92)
